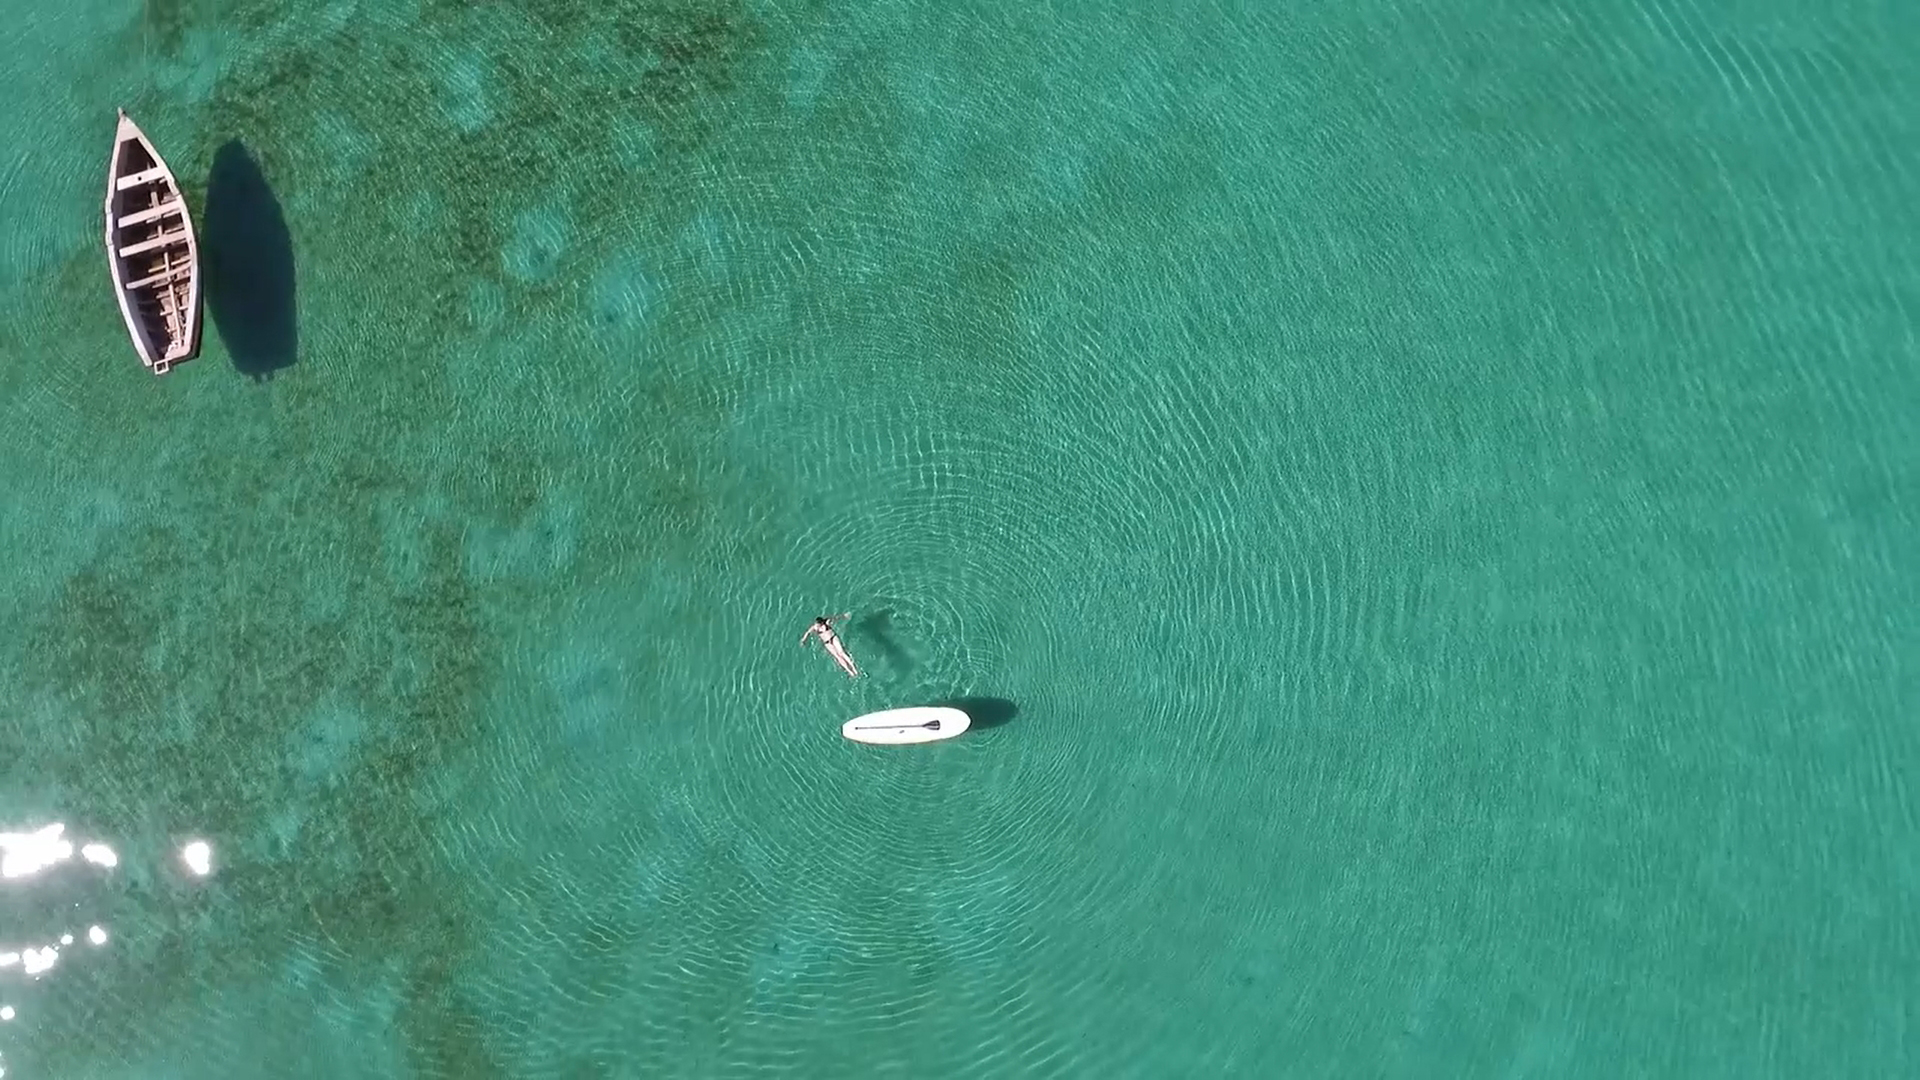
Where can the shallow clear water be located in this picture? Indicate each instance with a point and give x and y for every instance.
(1424, 494)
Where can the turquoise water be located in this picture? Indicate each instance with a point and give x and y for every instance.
(1424, 494)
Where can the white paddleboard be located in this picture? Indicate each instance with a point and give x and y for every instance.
(898, 727)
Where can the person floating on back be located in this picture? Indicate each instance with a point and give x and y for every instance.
(823, 627)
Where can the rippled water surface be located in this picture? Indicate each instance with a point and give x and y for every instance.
(1420, 498)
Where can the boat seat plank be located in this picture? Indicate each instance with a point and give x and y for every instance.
(158, 277)
(144, 176)
(157, 300)
(157, 242)
(171, 206)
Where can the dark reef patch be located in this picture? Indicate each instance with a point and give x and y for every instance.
(213, 608)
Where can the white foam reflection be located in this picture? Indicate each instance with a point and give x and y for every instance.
(198, 855)
(26, 854)
(36, 961)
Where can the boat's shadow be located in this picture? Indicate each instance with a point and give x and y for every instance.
(248, 257)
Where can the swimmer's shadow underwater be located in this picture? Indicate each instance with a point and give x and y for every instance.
(876, 628)
(875, 633)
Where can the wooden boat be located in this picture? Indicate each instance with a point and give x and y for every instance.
(152, 252)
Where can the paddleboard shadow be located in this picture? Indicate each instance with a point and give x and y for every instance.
(986, 712)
